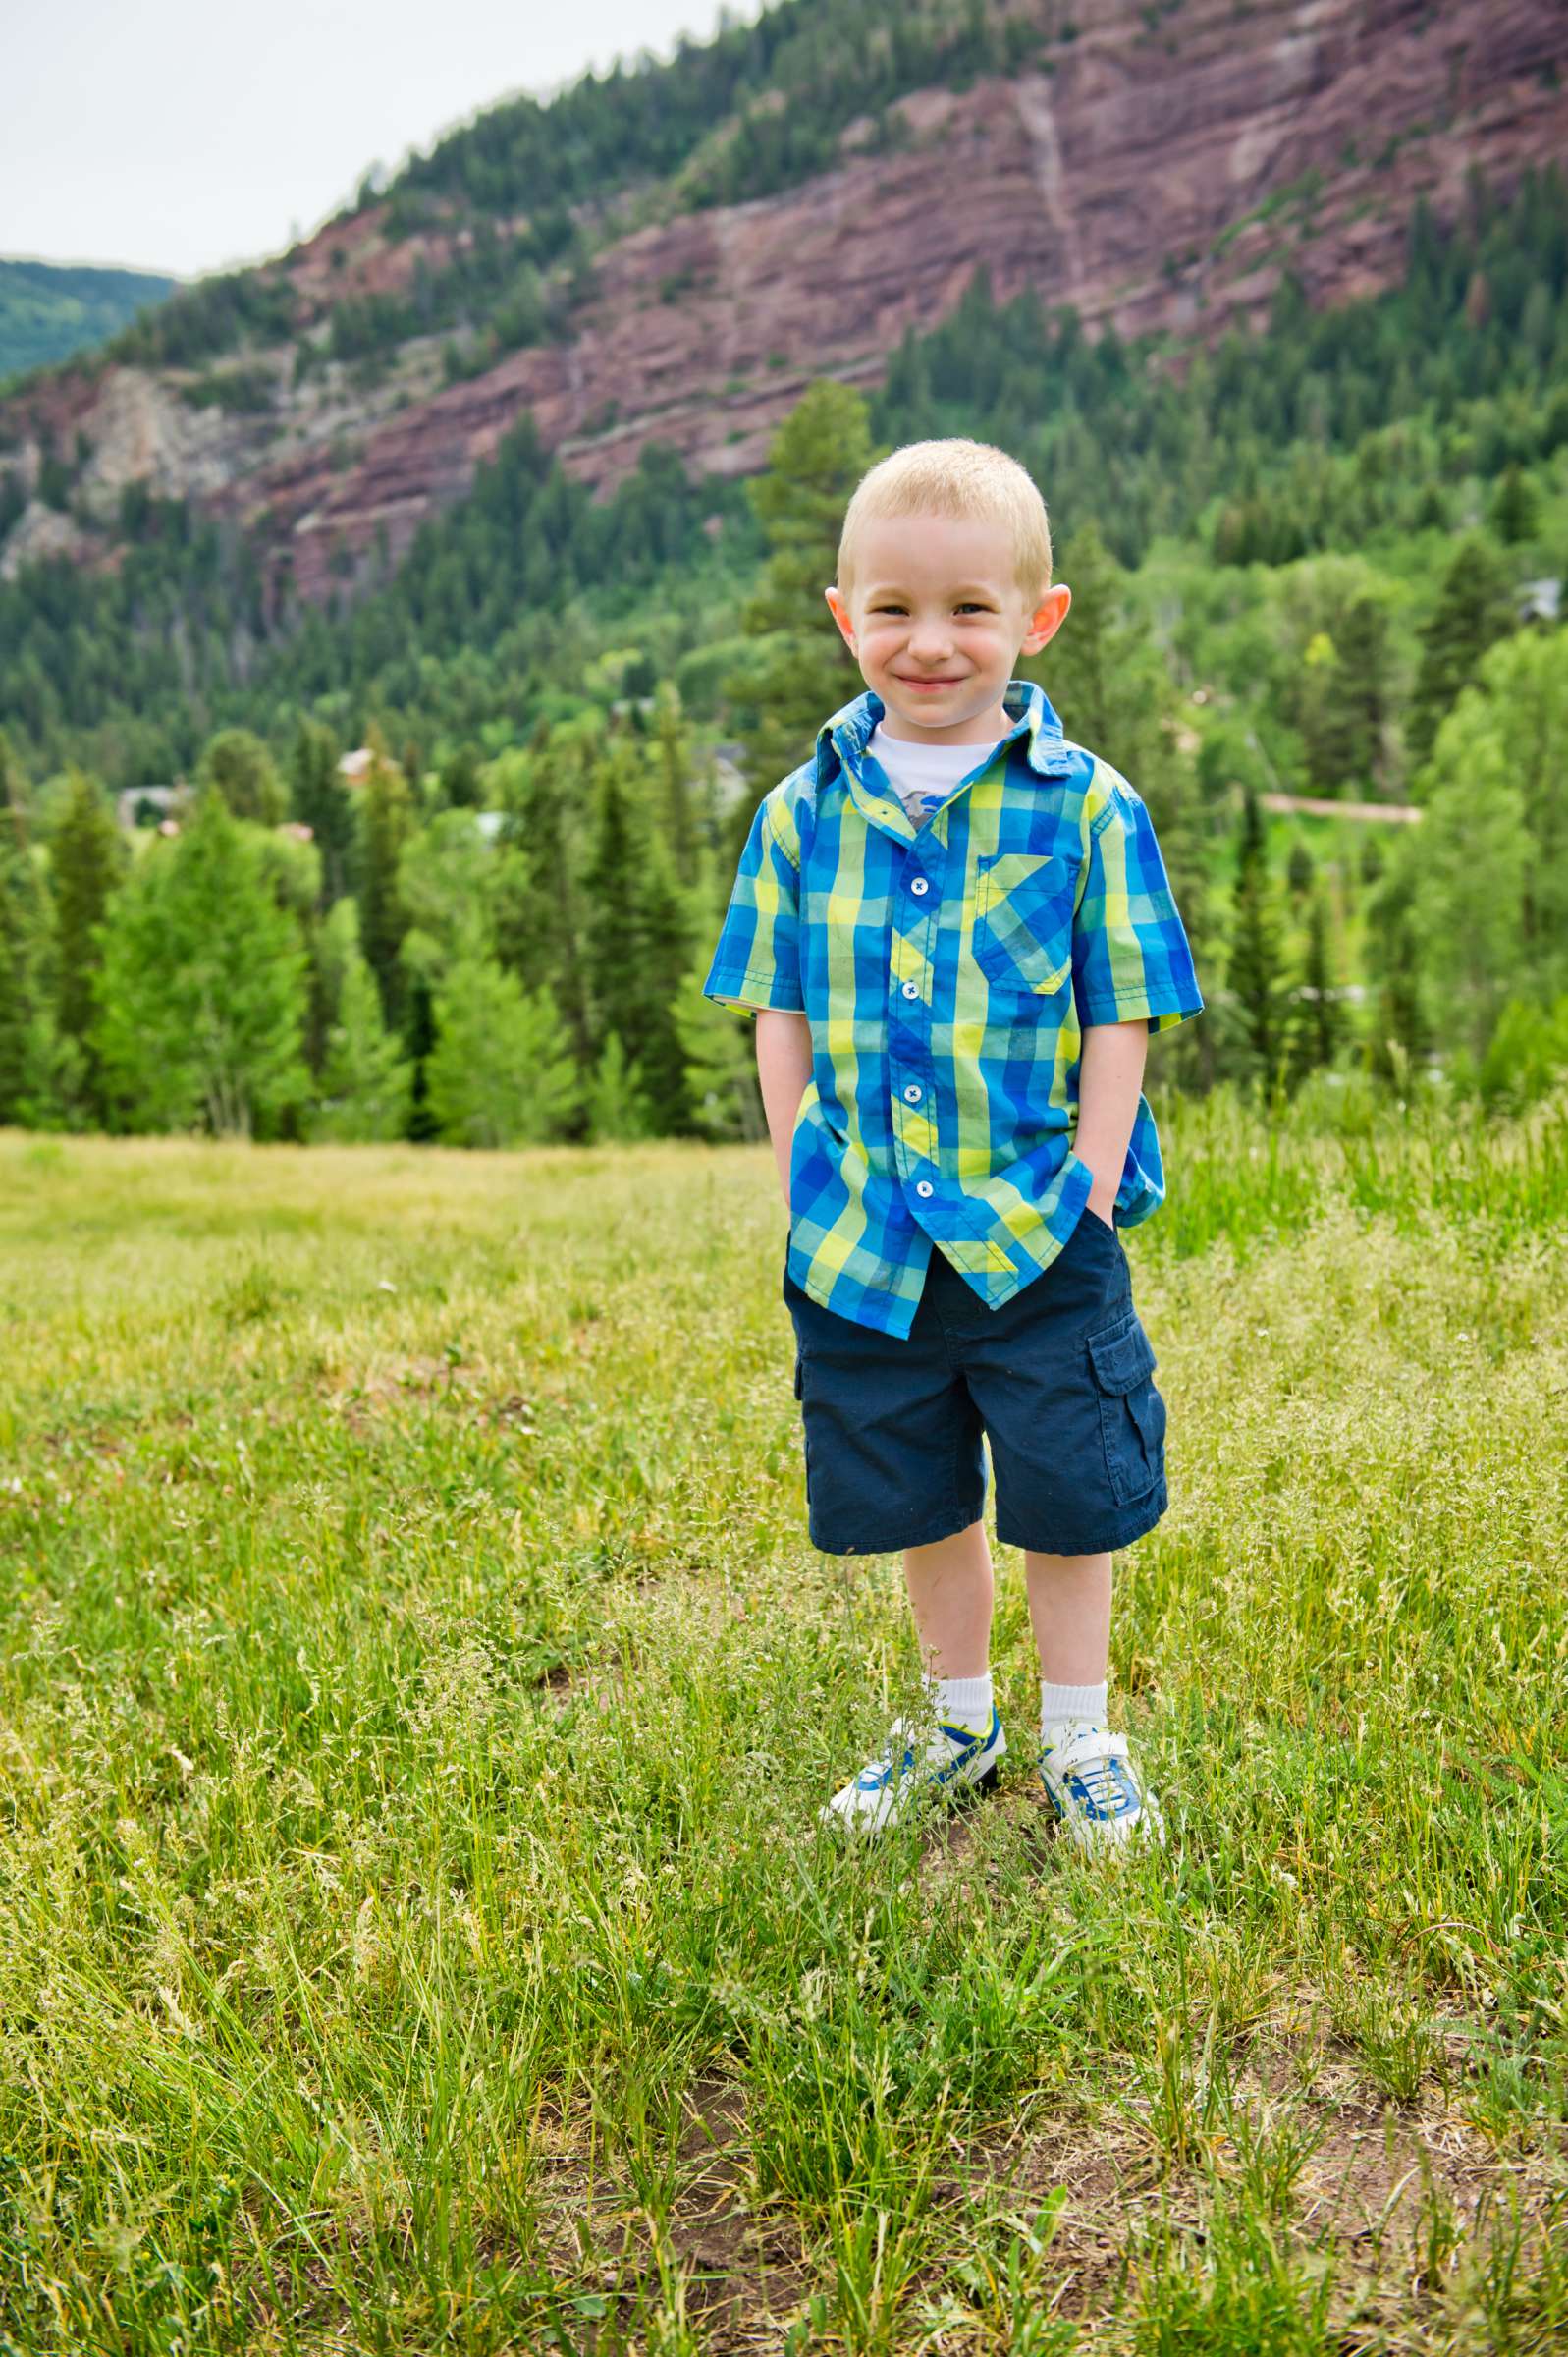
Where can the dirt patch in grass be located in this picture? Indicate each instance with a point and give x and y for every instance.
(421, 1385)
(741, 2265)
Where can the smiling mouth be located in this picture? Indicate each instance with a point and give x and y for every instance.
(907, 682)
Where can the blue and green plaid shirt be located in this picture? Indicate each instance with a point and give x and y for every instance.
(949, 971)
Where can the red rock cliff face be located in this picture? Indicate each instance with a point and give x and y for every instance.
(1134, 183)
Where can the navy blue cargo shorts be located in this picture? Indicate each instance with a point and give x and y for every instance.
(1059, 1380)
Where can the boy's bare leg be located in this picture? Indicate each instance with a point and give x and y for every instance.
(1070, 1611)
(951, 1588)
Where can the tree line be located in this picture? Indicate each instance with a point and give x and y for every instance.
(497, 949)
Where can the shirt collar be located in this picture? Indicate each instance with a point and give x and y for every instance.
(846, 734)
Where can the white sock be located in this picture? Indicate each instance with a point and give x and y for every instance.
(963, 1701)
(1062, 1707)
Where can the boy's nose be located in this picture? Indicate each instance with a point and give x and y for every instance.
(930, 641)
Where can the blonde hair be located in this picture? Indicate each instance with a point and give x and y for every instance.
(954, 476)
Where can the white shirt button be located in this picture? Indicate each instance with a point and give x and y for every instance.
(923, 1187)
(911, 990)
(919, 883)
(912, 1092)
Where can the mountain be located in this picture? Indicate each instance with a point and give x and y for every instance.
(49, 310)
(670, 253)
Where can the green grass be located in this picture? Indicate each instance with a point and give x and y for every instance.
(418, 1688)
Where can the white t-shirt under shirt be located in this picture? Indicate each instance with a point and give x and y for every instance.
(923, 775)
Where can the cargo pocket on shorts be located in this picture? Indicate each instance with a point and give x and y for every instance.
(1132, 1415)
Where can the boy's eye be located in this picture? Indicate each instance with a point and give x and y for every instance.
(974, 605)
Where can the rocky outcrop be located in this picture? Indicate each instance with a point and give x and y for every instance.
(1161, 176)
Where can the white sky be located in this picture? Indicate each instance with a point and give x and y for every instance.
(184, 136)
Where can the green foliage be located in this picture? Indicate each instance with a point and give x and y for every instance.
(48, 311)
(721, 1074)
(615, 1103)
(1255, 969)
(1104, 675)
(804, 671)
(445, 890)
(1485, 870)
(1527, 1055)
(1316, 1026)
(1337, 691)
(637, 939)
(386, 824)
(320, 801)
(1474, 608)
(501, 1072)
(1515, 512)
(201, 992)
(40, 1070)
(244, 773)
(366, 1085)
(87, 861)
(216, 315)
(128, 667)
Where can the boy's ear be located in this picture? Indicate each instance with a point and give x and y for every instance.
(1046, 619)
(839, 610)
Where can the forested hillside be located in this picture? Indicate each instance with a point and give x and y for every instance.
(673, 252)
(1316, 558)
(49, 310)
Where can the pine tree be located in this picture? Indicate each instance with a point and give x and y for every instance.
(672, 742)
(502, 1071)
(1515, 513)
(365, 1084)
(1107, 678)
(539, 919)
(1314, 1024)
(1256, 973)
(1401, 1029)
(614, 1102)
(1471, 860)
(665, 927)
(803, 672)
(202, 988)
(322, 803)
(89, 861)
(1474, 608)
(458, 775)
(24, 971)
(1336, 688)
(386, 821)
(720, 1060)
(613, 892)
(41, 1073)
(244, 773)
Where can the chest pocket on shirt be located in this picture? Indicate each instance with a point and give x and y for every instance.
(1023, 920)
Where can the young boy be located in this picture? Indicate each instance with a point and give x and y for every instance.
(956, 933)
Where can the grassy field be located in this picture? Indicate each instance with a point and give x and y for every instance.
(418, 1688)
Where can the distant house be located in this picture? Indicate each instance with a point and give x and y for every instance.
(356, 767)
(1541, 601)
(148, 805)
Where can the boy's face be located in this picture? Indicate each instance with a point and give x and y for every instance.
(936, 622)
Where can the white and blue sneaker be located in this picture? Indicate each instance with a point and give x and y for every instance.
(923, 1764)
(1094, 1790)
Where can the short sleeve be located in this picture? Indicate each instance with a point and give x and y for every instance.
(756, 963)
(1130, 955)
